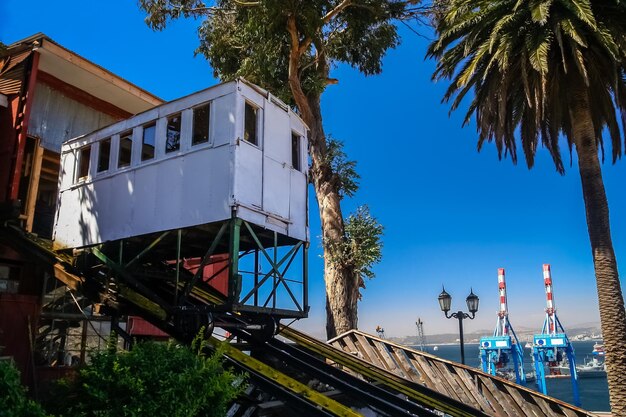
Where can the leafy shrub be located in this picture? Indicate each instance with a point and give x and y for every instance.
(13, 399)
(152, 380)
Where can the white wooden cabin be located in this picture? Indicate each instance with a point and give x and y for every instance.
(232, 148)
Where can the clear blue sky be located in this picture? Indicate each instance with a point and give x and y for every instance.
(452, 215)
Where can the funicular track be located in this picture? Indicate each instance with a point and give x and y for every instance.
(356, 383)
(284, 370)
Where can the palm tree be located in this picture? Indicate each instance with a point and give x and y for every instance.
(546, 70)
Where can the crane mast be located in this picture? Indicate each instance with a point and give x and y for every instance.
(497, 351)
(421, 339)
(552, 346)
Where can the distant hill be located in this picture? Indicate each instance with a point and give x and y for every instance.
(577, 332)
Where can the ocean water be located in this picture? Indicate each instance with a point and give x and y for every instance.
(594, 392)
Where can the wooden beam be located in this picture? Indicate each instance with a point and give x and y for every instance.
(72, 281)
(53, 172)
(33, 186)
(28, 98)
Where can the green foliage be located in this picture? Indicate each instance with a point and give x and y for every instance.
(13, 399)
(344, 171)
(250, 38)
(289, 47)
(361, 247)
(152, 380)
(522, 60)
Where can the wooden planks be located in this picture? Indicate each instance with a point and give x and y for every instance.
(493, 395)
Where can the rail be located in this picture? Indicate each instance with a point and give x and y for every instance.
(360, 370)
(425, 396)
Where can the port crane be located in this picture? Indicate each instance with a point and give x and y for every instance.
(421, 339)
(552, 346)
(380, 331)
(497, 351)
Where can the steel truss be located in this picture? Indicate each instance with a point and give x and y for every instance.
(266, 275)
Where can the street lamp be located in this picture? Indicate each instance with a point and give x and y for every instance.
(445, 300)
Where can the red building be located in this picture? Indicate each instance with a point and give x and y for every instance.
(48, 94)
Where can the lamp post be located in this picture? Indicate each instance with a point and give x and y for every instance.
(445, 300)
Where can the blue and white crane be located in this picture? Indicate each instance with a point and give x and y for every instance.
(552, 346)
(502, 350)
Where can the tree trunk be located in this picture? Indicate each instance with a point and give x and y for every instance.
(341, 286)
(611, 301)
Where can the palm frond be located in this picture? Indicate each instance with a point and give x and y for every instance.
(520, 59)
(540, 10)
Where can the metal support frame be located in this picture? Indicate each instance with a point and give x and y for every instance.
(128, 277)
(548, 348)
(493, 348)
(278, 276)
(234, 280)
(205, 260)
(191, 294)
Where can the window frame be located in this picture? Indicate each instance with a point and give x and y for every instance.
(144, 145)
(128, 134)
(80, 157)
(297, 139)
(167, 130)
(99, 160)
(208, 105)
(257, 130)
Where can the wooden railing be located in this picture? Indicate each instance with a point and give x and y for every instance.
(493, 395)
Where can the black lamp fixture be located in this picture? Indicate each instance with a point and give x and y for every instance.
(472, 302)
(445, 302)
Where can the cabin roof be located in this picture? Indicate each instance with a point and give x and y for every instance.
(265, 93)
(73, 69)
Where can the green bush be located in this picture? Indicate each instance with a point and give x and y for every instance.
(152, 380)
(13, 399)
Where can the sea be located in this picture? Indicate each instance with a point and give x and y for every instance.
(594, 392)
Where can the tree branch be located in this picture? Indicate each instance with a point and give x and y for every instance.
(327, 18)
(334, 12)
(294, 77)
(205, 10)
(246, 3)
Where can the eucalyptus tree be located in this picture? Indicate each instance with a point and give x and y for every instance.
(549, 71)
(290, 47)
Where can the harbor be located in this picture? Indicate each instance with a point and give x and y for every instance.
(594, 393)
(278, 210)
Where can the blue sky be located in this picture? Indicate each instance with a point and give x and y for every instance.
(452, 215)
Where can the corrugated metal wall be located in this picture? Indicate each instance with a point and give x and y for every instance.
(71, 118)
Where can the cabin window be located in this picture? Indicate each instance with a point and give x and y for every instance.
(250, 131)
(295, 152)
(201, 118)
(172, 142)
(84, 155)
(104, 155)
(125, 150)
(147, 144)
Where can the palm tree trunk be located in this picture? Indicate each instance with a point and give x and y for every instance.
(611, 301)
